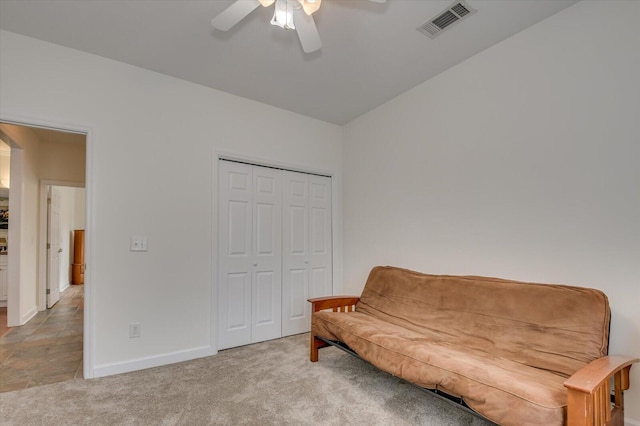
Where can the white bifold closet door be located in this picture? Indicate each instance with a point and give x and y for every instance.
(274, 251)
(250, 254)
(307, 261)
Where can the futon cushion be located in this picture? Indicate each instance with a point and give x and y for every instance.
(552, 327)
(506, 392)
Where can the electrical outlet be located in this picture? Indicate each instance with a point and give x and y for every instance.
(134, 330)
(138, 243)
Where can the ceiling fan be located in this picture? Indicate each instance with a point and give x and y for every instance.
(289, 14)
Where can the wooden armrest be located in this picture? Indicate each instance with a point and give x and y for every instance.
(589, 394)
(588, 378)
(337, 303)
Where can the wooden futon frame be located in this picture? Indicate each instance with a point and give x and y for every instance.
(595, 393)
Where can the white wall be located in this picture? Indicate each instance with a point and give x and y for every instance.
(521, 162)
(62, 161)
(5, 167)
(79, 199)
(150, 165)
(23, 209)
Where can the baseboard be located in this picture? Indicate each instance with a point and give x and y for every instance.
(30, 314)
(153, 361)
(64, 288)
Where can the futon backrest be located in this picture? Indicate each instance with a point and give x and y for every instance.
(553, 327)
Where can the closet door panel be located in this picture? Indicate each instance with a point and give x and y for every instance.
(297, 294)
(238, 290)
(266, 300)
(319, 282)
(295, 260)
(320, 240)
(235, 257)
(267, 255)
(297, 231)
(239, 229)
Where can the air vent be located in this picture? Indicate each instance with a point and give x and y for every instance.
(450, 16)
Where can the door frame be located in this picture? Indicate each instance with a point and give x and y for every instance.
(14, 259)
(336, 223)
(41, 295)
(15, 315)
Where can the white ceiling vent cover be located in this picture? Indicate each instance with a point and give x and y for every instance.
(446, 19)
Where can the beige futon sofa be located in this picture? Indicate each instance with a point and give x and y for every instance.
(516, 353)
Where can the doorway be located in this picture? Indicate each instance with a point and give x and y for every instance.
(5, 179)
(48, 161)
(63, 215)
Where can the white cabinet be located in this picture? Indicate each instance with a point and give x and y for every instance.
(4, 280)
(274, 251)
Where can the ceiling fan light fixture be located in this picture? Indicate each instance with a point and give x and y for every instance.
(310, 6)
(283, 15)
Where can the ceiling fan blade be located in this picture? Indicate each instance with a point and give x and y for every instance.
(234, 14)
(307, 31)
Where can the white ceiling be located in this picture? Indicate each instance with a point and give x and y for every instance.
(371, 52)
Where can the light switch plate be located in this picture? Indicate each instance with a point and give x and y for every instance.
(138, 243)
(134, 330)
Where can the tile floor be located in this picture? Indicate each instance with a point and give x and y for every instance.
(48, 348)
(3, 322)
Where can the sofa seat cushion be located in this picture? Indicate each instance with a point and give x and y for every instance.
(504, 391)
(552, 327)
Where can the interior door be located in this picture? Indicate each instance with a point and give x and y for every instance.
(295, 283)
(250, 254)
(307, 248)
(320, 237)
(54, 249)
(235, 229)
(266, 319)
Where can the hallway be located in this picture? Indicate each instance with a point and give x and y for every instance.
(48, 348)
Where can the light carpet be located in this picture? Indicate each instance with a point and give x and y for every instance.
(270, 383)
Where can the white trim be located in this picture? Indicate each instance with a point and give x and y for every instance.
(631, 422)
(152, 361)
(213, 303)
(89, 221)
(220, 155)
(14, 297)
(336, 232)
(89, 302)
(29, 314)
(41, 260)
(336, 222)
